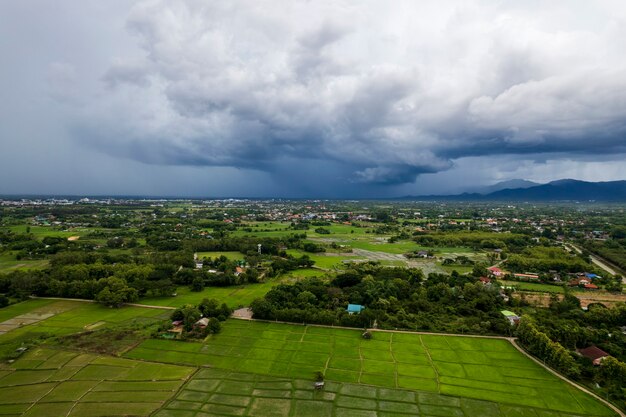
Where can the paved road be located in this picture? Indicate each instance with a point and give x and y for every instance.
(602, 263)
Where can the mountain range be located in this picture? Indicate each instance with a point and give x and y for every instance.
(522, 190)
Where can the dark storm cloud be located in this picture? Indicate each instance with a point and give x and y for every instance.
(370, 94)
(390, 94)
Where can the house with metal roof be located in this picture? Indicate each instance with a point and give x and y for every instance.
(511, 316)
(355, 308)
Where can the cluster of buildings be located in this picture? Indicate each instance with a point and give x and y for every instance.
(580, 279)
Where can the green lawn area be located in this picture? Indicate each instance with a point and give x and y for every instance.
(383, 246)
(325, 261)
(302, 273)
(47, 382)
(43, 231)
(461, 269)
(235, 256)
(402, 247)
(240, 295)
(37, 318)
(22, 308)
(265, 229)
(276, 229)
(8, 262)
(533, 286)
(339, 231)
(448, 371)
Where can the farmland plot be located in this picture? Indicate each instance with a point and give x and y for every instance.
(445, 366)
(47, 382)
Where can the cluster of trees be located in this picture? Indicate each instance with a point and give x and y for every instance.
(459, 260)
(553, 335)
(87, 280)
(566, 323)
(551, 352)
(208, 308)
(312, 247)
(544, 259)
(27, 246)
(393, 298)
(288, 263)
(475, 239)
(246, 245)
(613, 250)
(612, 376)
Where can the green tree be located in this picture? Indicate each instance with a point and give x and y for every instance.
(115, 291)
(213, 326)
(188, 314)
(197, 284)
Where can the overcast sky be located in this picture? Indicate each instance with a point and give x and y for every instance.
(308, 98)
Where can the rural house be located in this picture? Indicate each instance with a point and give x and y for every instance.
(511, 316)
(594, 353)
(355, 308)
(495, 271)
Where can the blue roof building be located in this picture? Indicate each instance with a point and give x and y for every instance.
(355, 308)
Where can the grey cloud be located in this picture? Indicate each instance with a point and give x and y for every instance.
(126, 73)
(248, 86)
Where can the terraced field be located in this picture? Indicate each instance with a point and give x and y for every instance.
(54, 383)
(451, 369)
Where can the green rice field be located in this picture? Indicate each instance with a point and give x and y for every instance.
(448, 368)
(266, 369)
(47, 382)
(213, 392)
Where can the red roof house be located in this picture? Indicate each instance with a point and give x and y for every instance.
(495, 271)
(527, 277)
(594, 353)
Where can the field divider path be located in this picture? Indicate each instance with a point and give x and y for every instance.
(33, 297)
(395, 362)
(430, 359)
(175, 393)
(361, 364)
(81, 397)
(37, 401)
(572, 383)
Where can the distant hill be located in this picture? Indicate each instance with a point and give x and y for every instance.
(561, 190)
(516, 183)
